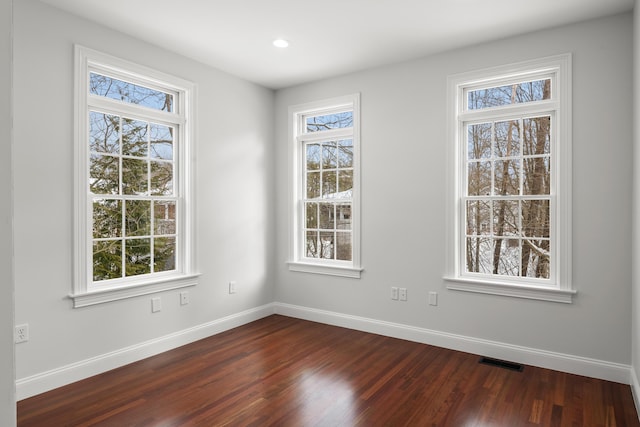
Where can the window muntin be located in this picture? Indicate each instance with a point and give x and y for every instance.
(511, 198)
(507, 200)
(134, 183)
(329, 199)
(325, 177)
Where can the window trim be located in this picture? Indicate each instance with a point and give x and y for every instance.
(296, 262)
(559, 288)
(83, 294)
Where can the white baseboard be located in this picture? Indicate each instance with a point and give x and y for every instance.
(529, 356)
(40, 383)
(635, 389)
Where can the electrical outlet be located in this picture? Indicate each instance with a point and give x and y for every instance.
(403, 294)
(156, 304)
(232, 287)
(184, 297)
(22, 333)
(394, 293)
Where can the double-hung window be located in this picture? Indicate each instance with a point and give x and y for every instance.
(324, 187)
(133, 180)
(510, 193)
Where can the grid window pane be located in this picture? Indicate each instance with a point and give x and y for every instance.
(104, 133)
(104, 174)
(137, 217)
(107, 260)
(107, 218)
(164, 254)
(137, 257)
(161, 141)
(164, 217)
(134, 176)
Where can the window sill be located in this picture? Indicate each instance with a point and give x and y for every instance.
(331, 270)
(114, 294)
(511, 290)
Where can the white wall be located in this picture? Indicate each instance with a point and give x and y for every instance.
(403, 198)
(635, 324)
(235, 169)
(7, 383)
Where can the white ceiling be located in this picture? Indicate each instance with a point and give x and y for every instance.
(328, 37)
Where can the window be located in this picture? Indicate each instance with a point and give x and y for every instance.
(133, 180)
(510, 207)
(325, 191)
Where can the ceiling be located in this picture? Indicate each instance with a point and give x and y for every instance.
(329, 37)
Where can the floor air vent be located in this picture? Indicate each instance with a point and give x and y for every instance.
(501, 364)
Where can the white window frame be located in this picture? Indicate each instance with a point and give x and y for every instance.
(297, 260)
(558, 287)
(85, 291)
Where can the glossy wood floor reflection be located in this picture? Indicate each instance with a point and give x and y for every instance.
(280, 371)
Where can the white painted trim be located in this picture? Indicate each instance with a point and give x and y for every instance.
(635, 389)
(578, 365)
(45, 381)
(296, 114)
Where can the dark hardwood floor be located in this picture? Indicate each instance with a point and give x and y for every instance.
(280, 371)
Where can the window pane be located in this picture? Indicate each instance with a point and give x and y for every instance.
(506, 257)
(103, 133)
(107, 218)
(506, 214)
(345, 183)
(343, 246)
(134, 176)
(313, 185)
(479, 179)
(164, 254)
(509, 94)
(535, 259)
(329, 121)
(507, 139)
(329, 185)
(329, 155)
(164, 217)
(343, 217)
(161, 178)
(478, 217)
(479, 141)
(137, 217)
(107, 260)
(479, 255)
(128, 92)
(161, 140)
(535, 218)
(345, 153)
(313, 157)
(134, 137)
(103, 174)
(312, 244)
(537, 136)
(137, 256)
(507, 177)
(327, 245)
(537, 176)
(311, 215)
(327, 216)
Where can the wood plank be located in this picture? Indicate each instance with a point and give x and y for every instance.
(281, 371)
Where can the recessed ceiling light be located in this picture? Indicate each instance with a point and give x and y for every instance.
(280, 43)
